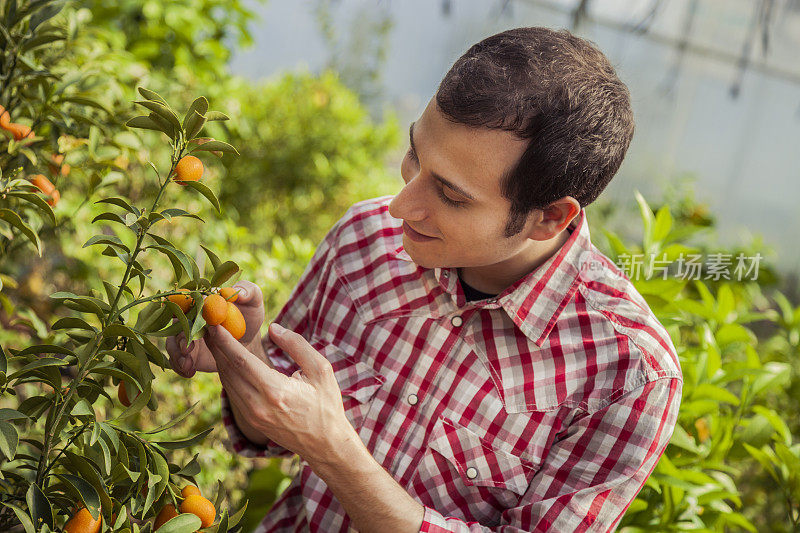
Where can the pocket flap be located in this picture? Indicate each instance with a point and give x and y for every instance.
(477, 462)
(356, 379)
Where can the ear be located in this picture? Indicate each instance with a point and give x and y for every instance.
(554, 218)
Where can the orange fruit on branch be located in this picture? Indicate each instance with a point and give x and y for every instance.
(5, 118)
(55, 196)
(82, 522)
(57, 165)
(188, 490)
(122, 395)
(20, 131)
(234, 322)
(189, 168)
(166, 514)
(229, 293)
(200, 507)
(184, 301)
(215, 309)
(42, 183)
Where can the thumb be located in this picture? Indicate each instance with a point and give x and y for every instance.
(249, 293)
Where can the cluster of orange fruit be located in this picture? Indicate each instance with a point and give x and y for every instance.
(193, 503)
(218, 309)
(56, 164)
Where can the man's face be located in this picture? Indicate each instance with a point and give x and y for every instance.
(447, 163)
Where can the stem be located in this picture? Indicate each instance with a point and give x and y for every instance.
(61, 451)
(113, 314)
(83, 371)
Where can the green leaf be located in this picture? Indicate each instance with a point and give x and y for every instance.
(120, 202)
(663, 224)
(38, 201)
(238, 516)
(175, 421)
(82, 408)
(9, 439)
(194, 124)
(216, 115)
(682, 439)
(73, 322)
(120, 330)
(185, 443)
(216, 146)
(177, 258)
(166, 125)
(111, 217)
(199, 106)
(178, 313)
(707, 390)
(152, 95)
(44, 15)
(38, 364)
(14, 219)
(7, 413)
(41, 509)
(45, 348)
(183, 523)
(146, 122)
(205, 191)
(162, 111)
(85, 491)
(647, 219)
(192, 468)
(174, 212)
(22, 516)
(776, 422)
(224, 273)
(215, 260)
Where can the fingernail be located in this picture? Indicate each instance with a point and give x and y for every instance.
(278, 329)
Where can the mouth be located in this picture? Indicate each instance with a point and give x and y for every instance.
(414, 233)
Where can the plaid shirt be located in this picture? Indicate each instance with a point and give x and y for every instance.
(544, 408)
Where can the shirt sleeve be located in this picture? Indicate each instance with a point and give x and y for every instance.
(298, 315)
(591, 475)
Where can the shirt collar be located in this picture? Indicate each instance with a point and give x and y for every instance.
(535, 301)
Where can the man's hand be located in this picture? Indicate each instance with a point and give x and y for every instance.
(303, 413)
(197, 357)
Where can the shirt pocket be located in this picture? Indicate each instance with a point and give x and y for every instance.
(465, 476)
(358, 382)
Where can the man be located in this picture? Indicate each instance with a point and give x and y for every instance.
(460, 357)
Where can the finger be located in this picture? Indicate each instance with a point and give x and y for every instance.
(313, 364)
(180, 357)
(234, 357)
(249, 293)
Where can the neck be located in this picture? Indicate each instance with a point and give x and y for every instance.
(494, 279)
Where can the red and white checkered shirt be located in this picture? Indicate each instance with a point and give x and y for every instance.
(544, 408)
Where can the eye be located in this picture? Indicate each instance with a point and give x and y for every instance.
(447, 200)
(440, 188)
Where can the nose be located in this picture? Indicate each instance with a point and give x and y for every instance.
(408, 204)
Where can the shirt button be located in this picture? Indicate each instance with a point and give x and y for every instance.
(493, 301)
(472, 472)
(446, 273)
(456, 321)
(412, 399)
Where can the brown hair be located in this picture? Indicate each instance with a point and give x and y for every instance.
(557, 90)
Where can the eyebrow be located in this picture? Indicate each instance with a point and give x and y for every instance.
(444, 181)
